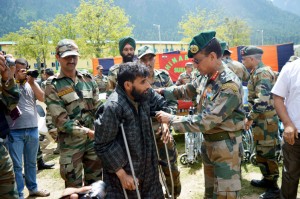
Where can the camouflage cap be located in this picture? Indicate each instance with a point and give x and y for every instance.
(126, 40)
(67, 47)
(189, 64)
(251, 50)
(100, 67)
(224, 48)
(144, 50)
(199, 42)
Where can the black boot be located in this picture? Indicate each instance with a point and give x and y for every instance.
(261, 183)
(42, 165)
(272, 192)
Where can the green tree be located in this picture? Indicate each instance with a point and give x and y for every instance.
(33, 42)
(233, 31)
(100, 25)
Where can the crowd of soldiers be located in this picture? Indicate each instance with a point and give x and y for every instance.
(127, 141)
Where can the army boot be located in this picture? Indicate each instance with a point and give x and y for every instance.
(273, 192)
(264, 183)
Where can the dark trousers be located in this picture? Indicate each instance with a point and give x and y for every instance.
(290, 170)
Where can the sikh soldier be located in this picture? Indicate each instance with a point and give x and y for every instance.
(101, 79)
(187, 75)
(238, 68)
(9, 97)
(126, 48)
(161, 79)
(263, 119)
(219, 117)
(72, 98)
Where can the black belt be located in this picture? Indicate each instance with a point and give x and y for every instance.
(221, 135)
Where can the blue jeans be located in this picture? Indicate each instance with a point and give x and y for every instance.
(24, 143)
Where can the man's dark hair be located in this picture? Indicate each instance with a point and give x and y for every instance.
(213, 46)
(130, 71)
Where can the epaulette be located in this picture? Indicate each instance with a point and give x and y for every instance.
(114, 67)
(230, 85)
(87, 75)
(50, 80)
(224, 77)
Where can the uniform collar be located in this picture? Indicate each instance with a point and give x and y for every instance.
(62, 75)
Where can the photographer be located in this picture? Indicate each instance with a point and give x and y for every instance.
(9, 96)
(23, 139)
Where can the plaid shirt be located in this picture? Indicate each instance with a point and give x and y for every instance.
(110, 148)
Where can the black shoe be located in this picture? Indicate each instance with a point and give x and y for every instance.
(272, 193)
(42, 165)
(261, 183)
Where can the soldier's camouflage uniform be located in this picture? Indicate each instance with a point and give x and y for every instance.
(265, 119)
(101, 82)
(112, 78)
(238, 68)
(162, 79)
(72, 106)
(184, 78)
(9, 96)
(220, 118)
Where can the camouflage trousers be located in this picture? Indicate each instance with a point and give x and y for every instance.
(265, 132)
(222, 168)
(8, 186)
(77, 160)
(172, 151)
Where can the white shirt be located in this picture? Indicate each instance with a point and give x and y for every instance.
(288, 86)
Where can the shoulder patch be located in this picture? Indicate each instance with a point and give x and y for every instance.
(50, 80)
(230, 85)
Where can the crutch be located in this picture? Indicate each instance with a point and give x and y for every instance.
(162, 176)
(169, 165)
(131, 165)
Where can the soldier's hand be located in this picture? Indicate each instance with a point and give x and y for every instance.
(91, 134)
(6, 72)
(160, 91)
(289, 134)
(163, 117)
(127, 181)
(164, 130)
(248, 124)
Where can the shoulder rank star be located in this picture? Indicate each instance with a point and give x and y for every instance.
(194, 49)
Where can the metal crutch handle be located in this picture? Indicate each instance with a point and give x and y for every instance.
(131, 165)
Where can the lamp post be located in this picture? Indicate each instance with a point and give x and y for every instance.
(262, 36)
(158, 27)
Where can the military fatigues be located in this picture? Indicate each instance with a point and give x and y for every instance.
(238, 68)
(72, 106)
(9, 96)
(101, 82)
(184, 78)
(220, 118)
(112, 78)
(265, 119)
(162, 79)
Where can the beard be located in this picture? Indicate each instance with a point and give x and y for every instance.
(139, 96)
(127, 58)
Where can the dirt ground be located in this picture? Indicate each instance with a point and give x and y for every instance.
(192, 178)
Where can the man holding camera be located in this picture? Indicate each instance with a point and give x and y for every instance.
(23, 140)
(9, 96)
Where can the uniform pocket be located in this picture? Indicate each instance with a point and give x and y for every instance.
(228, 185)
(87, 94)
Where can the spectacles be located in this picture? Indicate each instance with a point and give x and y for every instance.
(198, 61)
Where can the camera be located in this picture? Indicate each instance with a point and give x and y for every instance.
(10, 61)
(33, 73)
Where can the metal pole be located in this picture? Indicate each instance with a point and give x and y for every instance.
(130, 163)
(262, 37)
(158, 27)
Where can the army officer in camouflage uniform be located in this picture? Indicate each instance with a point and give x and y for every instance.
(160, 78)
(72, 98)
(101, 79)
(186, 76)
(264, 119)
(220, 118)
(9, 97)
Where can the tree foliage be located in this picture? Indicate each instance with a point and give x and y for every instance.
(233, 31)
